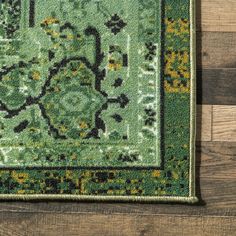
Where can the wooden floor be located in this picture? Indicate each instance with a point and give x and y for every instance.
(216, 159)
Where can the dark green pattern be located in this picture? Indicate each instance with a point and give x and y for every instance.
(169, 178)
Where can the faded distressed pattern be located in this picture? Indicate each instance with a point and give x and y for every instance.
(95, 97)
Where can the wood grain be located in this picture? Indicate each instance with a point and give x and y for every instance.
(216, 86)
(216, 50)
(224, 123)
(215, 214)
(216, 157)
(115, 225)
(216, 15)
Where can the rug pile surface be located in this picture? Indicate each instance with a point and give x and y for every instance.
(97, 100)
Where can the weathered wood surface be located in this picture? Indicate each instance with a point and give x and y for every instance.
(114, 225)
(216, 50)
(216, 15)
(224, 123)
(216, 86)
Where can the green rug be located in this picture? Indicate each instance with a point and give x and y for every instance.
(97, 100)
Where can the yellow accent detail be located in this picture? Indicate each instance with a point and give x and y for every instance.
(156, 173)
(6, 78)
(83, 125)
(36, 75)
(21, 191)
(178, 27)
(175, 175)
(33, 129)
(19, 177)
(69, 174)
(74, 73)
(82, 134)
(50, 21)
(62, 128)
(73, 156)
(173, 89)
(114, 66)
(57, 89)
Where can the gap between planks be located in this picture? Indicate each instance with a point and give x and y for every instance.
(216, 123)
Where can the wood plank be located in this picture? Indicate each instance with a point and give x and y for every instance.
(215, 183)
(115, 225)
(204, 118)
(218, 161)
(224, 123)
(216, 50)
(216, 60)
(216, 15)
(216, 86)
(217, 175)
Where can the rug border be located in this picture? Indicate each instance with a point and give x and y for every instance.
(192, 192)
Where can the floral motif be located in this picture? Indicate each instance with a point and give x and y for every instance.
(115, 24)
